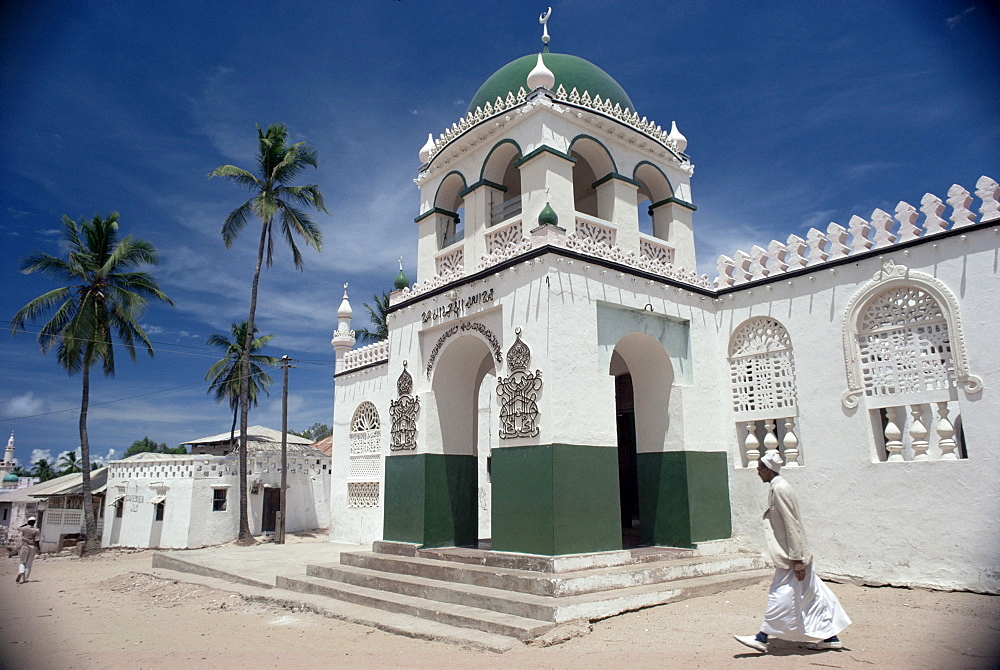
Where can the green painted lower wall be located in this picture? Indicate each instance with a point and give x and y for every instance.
(430, 499)
(684, 497)
(555, 499)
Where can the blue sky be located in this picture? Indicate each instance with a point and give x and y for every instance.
(797, 114)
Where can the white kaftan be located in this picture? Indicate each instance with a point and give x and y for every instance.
(799, 611)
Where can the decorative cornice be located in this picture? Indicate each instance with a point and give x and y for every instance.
(673, 201)
(614, 175)
(435, 210)
(482, 182)
(544, 149)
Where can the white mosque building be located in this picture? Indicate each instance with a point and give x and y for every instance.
(560, 381)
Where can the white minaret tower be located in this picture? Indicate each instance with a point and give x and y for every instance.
(7, 466)
(343, 337)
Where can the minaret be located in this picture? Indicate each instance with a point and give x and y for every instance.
(343, 337)
(7, 466)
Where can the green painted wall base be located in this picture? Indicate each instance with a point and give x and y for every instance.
(684, 497)
(430, 500)
(555, 499)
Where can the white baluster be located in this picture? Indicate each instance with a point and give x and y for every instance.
(725, 266)
(907, 216)
(837, 235)
(817, 246)
(752, 445)
(946, 434)
(893, 435)
(882, 223)
(918, 435)
(791, 444)
(741, 271)
(859, 234)
(959, 199)
(796, 252)
(757, 257)
(770, 439)
(776, 252)
(932, 207)
(988, 191)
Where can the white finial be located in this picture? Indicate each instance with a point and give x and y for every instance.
(547, 195)
(400, 263)
(676, 136)
(543, 18)
(541, 76)
(425, 151)
(345, 311)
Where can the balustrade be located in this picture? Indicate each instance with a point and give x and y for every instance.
(907, 433)
(787, 445)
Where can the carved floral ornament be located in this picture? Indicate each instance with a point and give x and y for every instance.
(897, 303)
(519, 393)
(403, 413)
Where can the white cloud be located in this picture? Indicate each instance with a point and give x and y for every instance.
(23, 405)
(39, 454)
(953, 21)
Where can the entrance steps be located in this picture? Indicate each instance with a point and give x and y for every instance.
(516, 595)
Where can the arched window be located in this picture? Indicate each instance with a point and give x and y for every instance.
(365, 470)
(450, 205)
(906, 359)
(762, 376)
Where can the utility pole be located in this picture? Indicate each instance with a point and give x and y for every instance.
(286, 363)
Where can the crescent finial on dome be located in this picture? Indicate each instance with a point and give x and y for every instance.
(543, 18)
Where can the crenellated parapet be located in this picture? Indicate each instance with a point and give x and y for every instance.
(883, 231)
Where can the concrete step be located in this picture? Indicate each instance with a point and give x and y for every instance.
(462, 616)
(552, 609)
(549, 584)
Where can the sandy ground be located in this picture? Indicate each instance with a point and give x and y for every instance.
(103, 612)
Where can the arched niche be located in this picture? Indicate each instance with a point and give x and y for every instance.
(593, 161)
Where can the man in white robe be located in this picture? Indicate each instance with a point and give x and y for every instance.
(800, 607)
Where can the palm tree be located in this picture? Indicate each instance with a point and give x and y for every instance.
(273, 200)
(101, 298)
(43, 470)
(224, 375)
(378, 316)
(69, 463)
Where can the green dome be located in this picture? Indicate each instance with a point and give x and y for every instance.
(10, 478)
(548, 217)
(570, 71)
(402, 281)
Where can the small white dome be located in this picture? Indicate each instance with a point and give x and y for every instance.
(345, 311)
(425, 151)
(541, 76)
(676, 136)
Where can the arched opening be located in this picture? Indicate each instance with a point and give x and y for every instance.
(500, 168)
(643, 380)
(461, 388)
(450, 203)
(592, 163)
(654, 187)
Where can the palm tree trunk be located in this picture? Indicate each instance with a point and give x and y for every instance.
(92, 542)
(232, 430)
(245, 536)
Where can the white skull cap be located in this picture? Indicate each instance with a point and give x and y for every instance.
(772, 459)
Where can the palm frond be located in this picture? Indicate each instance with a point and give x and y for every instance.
(237, 175)
(237, 221)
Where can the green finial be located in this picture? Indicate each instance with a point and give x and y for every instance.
(548, 216)
(402, 281)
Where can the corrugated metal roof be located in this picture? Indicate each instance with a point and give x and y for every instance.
(71, 484)
(259, 434)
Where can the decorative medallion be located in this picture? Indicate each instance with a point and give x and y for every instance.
(403, 413)
(519, 393)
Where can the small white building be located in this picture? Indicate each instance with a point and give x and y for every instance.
(57, 505)
(182, 501)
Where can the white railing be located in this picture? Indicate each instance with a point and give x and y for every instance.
(882, 232)
(920, 432)
(597, 231)
(502, 236)
(653, 249)
(450, 261)
(367, 355)
(763, 435)
(505, 210)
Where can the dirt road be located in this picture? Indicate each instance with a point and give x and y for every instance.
(101, 612)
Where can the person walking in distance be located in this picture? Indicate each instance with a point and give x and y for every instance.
(800, 607)
(30, 537)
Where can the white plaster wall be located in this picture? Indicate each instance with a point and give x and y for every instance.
(932, 522)
(358, 525)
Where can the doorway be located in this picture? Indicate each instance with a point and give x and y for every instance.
(628, 473)
(269, 514)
